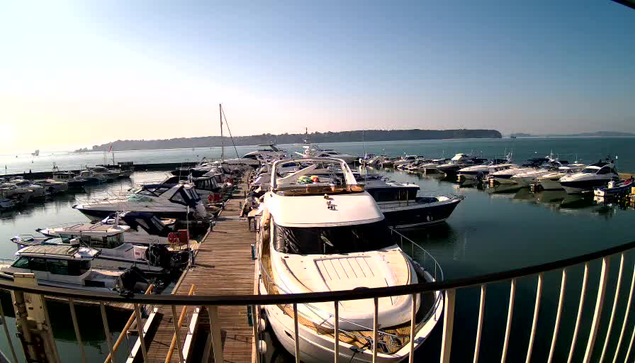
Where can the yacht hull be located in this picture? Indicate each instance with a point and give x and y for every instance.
(418, 213)
(317, 348)
(550, 184)
(100, 214)
(583, 186)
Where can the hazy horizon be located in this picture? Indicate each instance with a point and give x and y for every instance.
(75, 74)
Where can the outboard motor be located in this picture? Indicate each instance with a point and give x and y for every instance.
(159, 255)
(132, 280)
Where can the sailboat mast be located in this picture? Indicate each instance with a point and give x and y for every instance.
(222, 142)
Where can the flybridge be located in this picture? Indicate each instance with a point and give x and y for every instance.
(313, 176)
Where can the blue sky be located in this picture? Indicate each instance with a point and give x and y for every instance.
(89, 72)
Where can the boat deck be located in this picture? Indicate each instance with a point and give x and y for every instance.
(223, 266)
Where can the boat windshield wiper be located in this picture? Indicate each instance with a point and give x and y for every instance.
(326, 241)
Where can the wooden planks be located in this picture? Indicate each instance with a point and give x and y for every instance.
(222, 266)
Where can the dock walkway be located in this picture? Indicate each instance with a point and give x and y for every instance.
(222, 266)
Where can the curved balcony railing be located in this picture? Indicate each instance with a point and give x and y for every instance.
(614, 340)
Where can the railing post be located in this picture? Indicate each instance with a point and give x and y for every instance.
(78, 334)
(336, 330)
(615, 299)
(448, 326)
(104, 319)
(375, 327)
(142, 339)
(217, 343)
(597, 314)
(580, 308)
(534, 322)
(176, 321)
(510, 314)
(6, 332)
(556, 327)
(413, 326)
(479, 325)
(628, 309)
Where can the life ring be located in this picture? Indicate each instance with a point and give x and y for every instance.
(172, 237)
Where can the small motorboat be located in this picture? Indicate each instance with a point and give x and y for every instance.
(614, 189)
(71, 267)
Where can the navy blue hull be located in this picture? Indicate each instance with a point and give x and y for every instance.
(420, 215)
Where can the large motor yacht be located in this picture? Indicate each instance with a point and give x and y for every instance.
(403, 208)
(459, 161)
(315, 151)
(321, 235)
(593, 176)
(551, 181)
(178, 201)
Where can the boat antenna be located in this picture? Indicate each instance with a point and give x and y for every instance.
(230, 132)
(222, 142)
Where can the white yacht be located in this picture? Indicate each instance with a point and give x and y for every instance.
(68, 177)
(38, 191)
(431, 167)
(458, 162)
(321, 235)
(551, 181)
(53, 186)
(315, 151)
(265, 152)
(593, 176)
(480, 172)
(178, 201)
(404, 160)
(136, 228)
(18, 194)
(70, 267)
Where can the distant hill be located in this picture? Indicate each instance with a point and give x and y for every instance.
(317, 137)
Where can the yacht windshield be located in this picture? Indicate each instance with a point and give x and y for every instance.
(590, 171)
(332, 240)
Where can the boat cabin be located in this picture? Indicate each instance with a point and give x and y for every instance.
(181, 193)
(207, 183)
(63, 264)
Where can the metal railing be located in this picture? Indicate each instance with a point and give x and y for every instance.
(598, 342)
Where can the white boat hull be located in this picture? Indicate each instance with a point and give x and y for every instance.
(318, 348)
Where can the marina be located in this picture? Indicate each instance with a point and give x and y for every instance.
(459, 242)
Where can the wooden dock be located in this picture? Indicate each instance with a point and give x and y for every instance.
(222, 266)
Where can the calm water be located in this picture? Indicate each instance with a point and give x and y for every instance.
(583, 149)
(487, 232)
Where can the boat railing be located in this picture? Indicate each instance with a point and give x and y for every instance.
(602, 332)
(415, 250)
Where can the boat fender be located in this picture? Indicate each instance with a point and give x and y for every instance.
(262, 347)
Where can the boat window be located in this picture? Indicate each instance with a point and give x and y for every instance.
(22, 262)
(604, 170)
(157, 224)
(192, 195)
(590, 171)
(178, 197)
(76, 268)
(58, 267)
(332, 240)
(37, 264)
